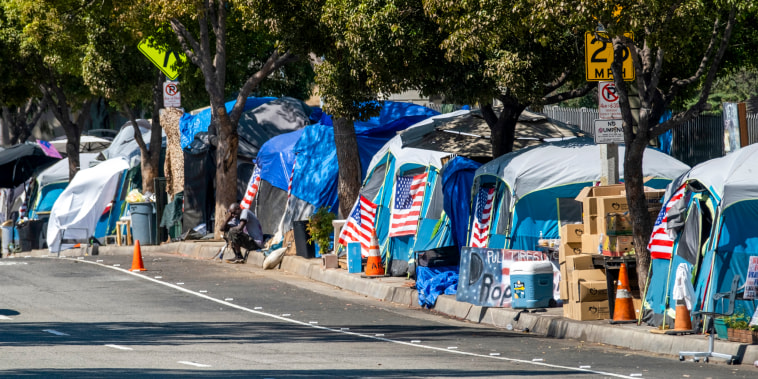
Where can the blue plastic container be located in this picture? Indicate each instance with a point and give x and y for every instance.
(531, 284)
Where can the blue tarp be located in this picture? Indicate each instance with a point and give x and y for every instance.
(434, 281)
(189, 125)
(276, 158)
(316, 171)
(457, 180)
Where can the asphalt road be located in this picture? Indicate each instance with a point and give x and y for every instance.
(187, 318)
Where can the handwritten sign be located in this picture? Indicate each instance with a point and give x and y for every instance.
(751, 283)
(484, 277)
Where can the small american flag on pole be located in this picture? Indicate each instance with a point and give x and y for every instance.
(661, 244)
(360, 225)
(483, 211)
(252, 188)
(406, 210)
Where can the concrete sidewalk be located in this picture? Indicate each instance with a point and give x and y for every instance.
(399, 290)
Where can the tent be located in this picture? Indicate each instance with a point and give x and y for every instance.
(314, 183)
(124, 144)
(20, 162)
(529, 182)
(191, 124)
(264, 119)
(713, 235)
(87, 144)
(49, 184)
(75, 214)
(467, 134)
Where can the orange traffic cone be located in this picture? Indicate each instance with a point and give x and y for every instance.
(623, 309)
(683, 320)
(137, 264)
(374, 265)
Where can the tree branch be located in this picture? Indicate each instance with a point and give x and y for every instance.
(273, 63)
(189, 44)
(137, 132)
(557, 83)
(218, 22)
(576, 92)
(676, 85)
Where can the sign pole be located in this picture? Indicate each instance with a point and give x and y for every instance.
(609, 164)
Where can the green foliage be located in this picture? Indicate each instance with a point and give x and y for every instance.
(320, 228)
(739, 321)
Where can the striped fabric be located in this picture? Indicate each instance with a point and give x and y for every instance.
(480, 229)
(252, 189)
(406, 210)
(360, 225)
(661, 244)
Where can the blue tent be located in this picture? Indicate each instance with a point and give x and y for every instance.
(715, 241)
(529, 182)
(457, 179)
(315, 179)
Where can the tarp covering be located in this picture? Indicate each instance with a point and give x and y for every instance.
(467, 134)
(124, 144)
(59, 171)
(457, 179)
(316, 170)
(274, 118)
(51, 182)
(435, 281)
(277, 157)
(81, 204)
(18, 163)
(189, 125)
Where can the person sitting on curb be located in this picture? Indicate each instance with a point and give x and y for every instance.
(242, 229)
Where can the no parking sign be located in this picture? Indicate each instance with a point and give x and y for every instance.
(608, 101)
(171, 95)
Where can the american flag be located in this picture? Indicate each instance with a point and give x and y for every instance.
(481, 228)
(252, 188)
(661, 244)
(360, 225)
(406, 210)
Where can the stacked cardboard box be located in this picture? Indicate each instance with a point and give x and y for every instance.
(583, 288)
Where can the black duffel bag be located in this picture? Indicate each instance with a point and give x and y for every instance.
(439, 257)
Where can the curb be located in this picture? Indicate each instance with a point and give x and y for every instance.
(392, 289)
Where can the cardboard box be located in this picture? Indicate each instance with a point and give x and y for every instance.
(587, 196)
(611, 204)
(572, 233)
(563, 286)
(567, 250)
(590, 290)
(586, 275)
(590, 224)
(591, 310)
(616, 246)
(591, 243)
(579, 262)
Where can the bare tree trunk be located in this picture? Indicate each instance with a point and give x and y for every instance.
(151, 158)
(349, 164)
(503, 127)
(226, 167)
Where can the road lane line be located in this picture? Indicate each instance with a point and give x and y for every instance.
(356, 334)
(57, 333)
(193, 364)
(119, 347)
(2, 317)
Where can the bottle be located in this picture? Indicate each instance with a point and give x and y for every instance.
(600, 245)
(541, 241)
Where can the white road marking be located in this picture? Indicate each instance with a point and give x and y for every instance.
(585, 366)
(180, 284)
(203, 291)
(119, 347)
(494, 354)
(158, 277)
(378, 337)
(537, 360)
(228, 299)
(3, 317)
(452, 347)
(286, 314)
(99, 260)
(13, 263)
(57, 333)
(415, 341)
(313, 322)
(117, 265)
(193, 364)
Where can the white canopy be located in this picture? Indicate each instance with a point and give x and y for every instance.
(87, 144)
(59, 171)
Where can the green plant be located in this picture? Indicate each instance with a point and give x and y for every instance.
(738, 321)
(320, 228)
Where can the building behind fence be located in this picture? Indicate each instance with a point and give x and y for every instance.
(693, 142)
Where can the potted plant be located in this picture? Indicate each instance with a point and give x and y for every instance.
(739, 329)
(320, 228)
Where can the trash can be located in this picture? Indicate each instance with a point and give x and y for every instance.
(303, 248)
(532, 284)
(7, 239)
(29, 234)
(143, 223)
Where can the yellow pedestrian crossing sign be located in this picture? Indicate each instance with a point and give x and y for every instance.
(165, 59)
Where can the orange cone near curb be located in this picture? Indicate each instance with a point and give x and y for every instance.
(623, 309)
(374, 265)
(683, 320)
(137, 264)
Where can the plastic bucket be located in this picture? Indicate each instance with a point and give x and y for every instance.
(143, 223)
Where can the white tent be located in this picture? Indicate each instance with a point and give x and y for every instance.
(124, 145)
(74, 215)
(87, 144)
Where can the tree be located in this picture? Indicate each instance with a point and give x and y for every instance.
(205, 44)
(678, 48)
(51, 34)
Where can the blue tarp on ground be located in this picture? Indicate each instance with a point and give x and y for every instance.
(189, 125)
(432, 282)
(457, 179)
(316, 169)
